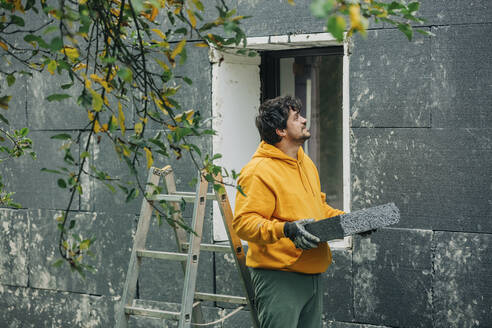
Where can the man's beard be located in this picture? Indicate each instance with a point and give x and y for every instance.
(304, 138)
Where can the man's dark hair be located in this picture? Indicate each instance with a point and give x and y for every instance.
(273, 115)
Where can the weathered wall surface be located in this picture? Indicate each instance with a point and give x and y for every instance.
(420, 137)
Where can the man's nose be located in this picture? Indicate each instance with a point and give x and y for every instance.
(303, 119)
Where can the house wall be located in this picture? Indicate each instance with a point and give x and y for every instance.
(420, 137)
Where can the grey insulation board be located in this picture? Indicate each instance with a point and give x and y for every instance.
(355, 222)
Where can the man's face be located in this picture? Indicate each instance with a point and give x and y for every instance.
(296, 130)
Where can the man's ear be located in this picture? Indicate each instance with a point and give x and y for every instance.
(281, 132)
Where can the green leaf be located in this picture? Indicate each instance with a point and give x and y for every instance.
(125, 74)
(56, 44)
(407, 30)
(187, 80)
(414, 6)
(131, 195)
(72, 224)
(62, 183)
(336, 26)
(67, 86)
(62, 136)
(4, 119)
(109, 60)
(34, 38)
(51, 29)
(58, 97)
(50, 170)
(58, 263)
(24, 131)
(395, 5)
(14, 19)
(181, 31)
(240, 189)
(10, 79)
(321, 8)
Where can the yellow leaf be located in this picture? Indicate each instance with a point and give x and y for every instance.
(79, 66)
(291, 2)
(148, 156)
(192, 18)
(82, 2)
(114, 120)
(126, 152)
(18, 6)
(168, 104)
(4, 102)
(52, 66)
(70, 52)
(201, 45)
(138, 128)
(189, 115)
(155, 11)
(178, 48)
(115, 12)
(121, 118)
(97, 127)
(90, 115)
(4, 46)
(171, 127)
(354, 15)
(237, 18)
(159, 33)
(162, 64)
(84, 245)
(158, 102)
(97, 100)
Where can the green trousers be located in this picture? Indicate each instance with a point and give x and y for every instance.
(288, 299)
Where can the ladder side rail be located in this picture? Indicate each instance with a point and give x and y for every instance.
(130, 286)
(237, 250)
(179, 233)
(193, 253)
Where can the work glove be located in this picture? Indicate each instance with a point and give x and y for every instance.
(301, 238)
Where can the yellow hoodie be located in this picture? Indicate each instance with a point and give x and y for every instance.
(278, 189)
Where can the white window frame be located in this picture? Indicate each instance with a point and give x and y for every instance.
(221, 108)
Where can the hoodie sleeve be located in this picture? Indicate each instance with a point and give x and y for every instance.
(253, 213)
(329, 211)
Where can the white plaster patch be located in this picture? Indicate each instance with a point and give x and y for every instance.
(366, 290)
(368, 251)
(229, 258)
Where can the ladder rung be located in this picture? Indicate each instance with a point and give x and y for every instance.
(152, 313)
(220, 298)
(188, 197)
(211, 248)
(163, 255)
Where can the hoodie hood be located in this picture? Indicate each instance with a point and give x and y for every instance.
(266, 150)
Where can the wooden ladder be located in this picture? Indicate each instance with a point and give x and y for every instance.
(189, 247)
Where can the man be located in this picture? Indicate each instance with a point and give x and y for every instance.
(283, 193)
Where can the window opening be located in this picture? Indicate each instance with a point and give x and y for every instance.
(315, 76)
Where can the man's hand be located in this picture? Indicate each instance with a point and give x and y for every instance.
(296, 232)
